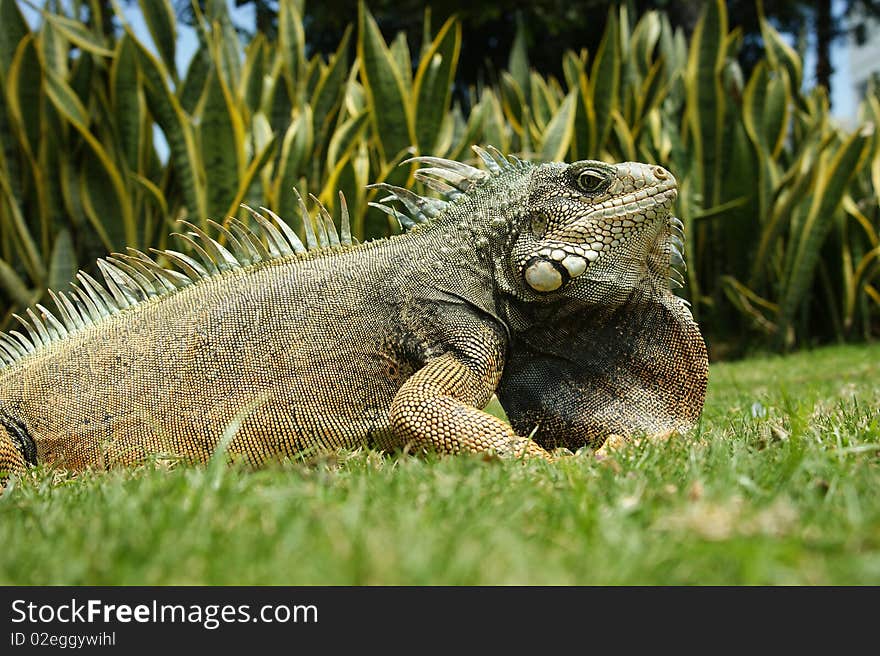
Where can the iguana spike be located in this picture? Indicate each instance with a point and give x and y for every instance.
(39, 325)
(250, 242)
(24, 341)
(10, 349)
(488, 160)
(207, 261)
(397, 194)
(503, 162)
(421, 209)
(275, 241)
(44, 326)
(329, 226)
(344, 221)
(675, 258)
(11, 345)
(320, 228)
(117, 286)
(459, 181)
(404, 221)
(465, 171)
(239, 252)
(170, 279)
(102, 301)
(676, 277)
(70, 306)
(53, 322)
(215, 250)
(35, 337)
(61, 308)
(311, 239)
(85, 306)
(191, 268)
(438, 185)
(292, 238)
(145, 282)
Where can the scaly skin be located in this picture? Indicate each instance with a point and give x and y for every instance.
(396, 343)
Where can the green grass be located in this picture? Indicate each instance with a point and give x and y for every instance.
(780, 484)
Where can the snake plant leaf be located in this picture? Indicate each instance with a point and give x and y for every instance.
(99, 197)
(495, 129)
(572, 67)
(13, 29)
(62, 263)
(644, 40)
(14, 286)
(295, 150)
(513, 101)
(399, 50)
(584, 121)
(626, 144)
(518, 60)
(78, 34)
(330, 87)
(29, 253)
(830, 185)
(193, 86)
(605, 82)
(779, 53)
(127, 102)
(251, 173)
(115, 220)
(116, 217)
(252, 74)
(153, 192)
(432, 88)
(389, 99)
(557, 136)
(177, 128)
(345, 137)
(161, 22)
(706, 98)
(291, 42)
(471, 133)
(24, 89)
(221, 144)
(55, 49)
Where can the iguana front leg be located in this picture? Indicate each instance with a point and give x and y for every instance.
(436, 410)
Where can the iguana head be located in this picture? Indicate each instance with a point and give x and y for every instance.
(593, 231)
(581, 258)
(600, 344)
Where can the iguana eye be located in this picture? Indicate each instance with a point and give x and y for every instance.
(589, 181)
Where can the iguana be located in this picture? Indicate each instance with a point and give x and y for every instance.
(547, 284)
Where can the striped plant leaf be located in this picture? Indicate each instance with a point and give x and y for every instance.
(162, 24)
(221, 145)
(432, 88)
(389, 98)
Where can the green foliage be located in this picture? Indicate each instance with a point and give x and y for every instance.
(780, 205)
(777, 486)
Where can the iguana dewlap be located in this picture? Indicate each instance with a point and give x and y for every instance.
(547, 284)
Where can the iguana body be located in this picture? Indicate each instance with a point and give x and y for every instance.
(395, 343)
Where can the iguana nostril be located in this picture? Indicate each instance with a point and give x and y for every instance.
(660, 173)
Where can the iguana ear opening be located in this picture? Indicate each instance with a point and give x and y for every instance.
(640, 368)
